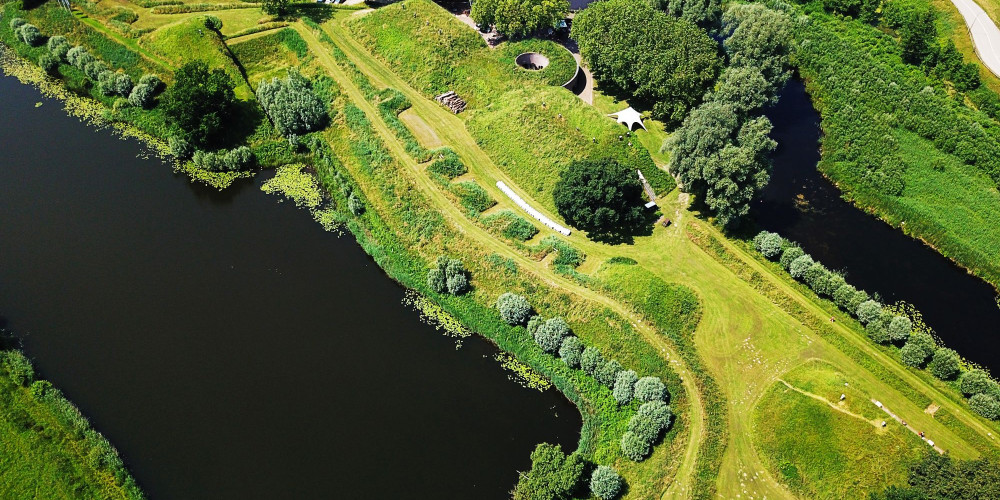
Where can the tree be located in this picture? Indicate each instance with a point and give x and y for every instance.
(74, 54)
(58, 47)
(17, 22)
(49, 63)
(590, 360)
(645, 427)
(975, 381)
(768, 244)
(799, 266)
(704, 13)
(549, 335)
(141, 96)
(945, 363)
(658, 411)
(789, 254)
(570, 351)
(213, 23)
(918, 35)
(519, 18)
(29, 34)
(275, 7)
(745, 88)
(649, 389)
(458, 284)
(605, 483)
(292, 104)
(607, 373)
(514, 309)
(899, 328)
(985, 405)
(199, 102)
(843, 297)
(760, 38)
(721, 161)
(658, 60)
(817, 277)
(635, 447)
(913, 355)
(601, 197)
(868, 311)
(624, 386)
(553, 475)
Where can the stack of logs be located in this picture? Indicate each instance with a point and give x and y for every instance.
(452, 101)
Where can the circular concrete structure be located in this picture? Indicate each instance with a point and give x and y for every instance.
(532, 61)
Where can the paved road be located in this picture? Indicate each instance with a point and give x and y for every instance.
(985, 35)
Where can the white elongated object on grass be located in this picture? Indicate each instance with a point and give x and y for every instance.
(531, 210)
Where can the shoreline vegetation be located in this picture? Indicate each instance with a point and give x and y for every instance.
(722, 331)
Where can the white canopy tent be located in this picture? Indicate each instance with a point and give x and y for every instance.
(628, 117)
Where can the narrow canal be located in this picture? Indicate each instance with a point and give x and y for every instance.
(228, 346)
(802, 205)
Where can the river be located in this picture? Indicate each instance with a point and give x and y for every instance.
(231, 348)
(802, 205)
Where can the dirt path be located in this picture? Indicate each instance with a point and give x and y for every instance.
(908, 426)
(453, 132)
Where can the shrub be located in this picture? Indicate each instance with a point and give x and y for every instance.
(17, 22)
(458, 284)
(878, 330)
(94, 69)
(985, 405)
(74, 54)
(49, 63)
(649, 389)
(570, 351)
(199, 102)
(590, 360)
(856, 299)
(658, 411)
(448, 164)
(829, 284)
(18, 367)
(549, 335)
(553, 475)
(292, 104)
(40, 388)
(945, 363)
(624, 386)
(635, 447)
(240, 158)
(868, 311)
(534, 323)
(974, 382)
(58, 47)
(842, 297)
(179, 147)
(817, 277)
(29, 34)
(607, 373)
(605, 483)
(768, 244)
(789, 254)
(213, 23)
(141, 96)
(913, 355)
(514, 309)
(152, 81)
(448, 275)
(899, 328)
(924, 341)
(105, 81)
(121, 84)
(798, 267)
(645, 427)
(355, 205)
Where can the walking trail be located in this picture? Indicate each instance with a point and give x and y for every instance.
(984, 32)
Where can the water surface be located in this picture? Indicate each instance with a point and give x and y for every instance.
(228, 346)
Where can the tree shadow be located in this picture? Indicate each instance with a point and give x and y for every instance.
(319, 13)
(246, 118)
(627, 234)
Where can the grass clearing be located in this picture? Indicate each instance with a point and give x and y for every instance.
(271, 54)
(189, 40)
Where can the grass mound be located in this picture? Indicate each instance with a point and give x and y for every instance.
(270, 55)
(190, 40)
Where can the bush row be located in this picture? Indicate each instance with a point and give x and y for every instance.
(555, 337)
(893, 326)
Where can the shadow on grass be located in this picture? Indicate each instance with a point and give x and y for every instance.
(627, 234)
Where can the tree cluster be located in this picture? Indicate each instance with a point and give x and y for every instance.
(199, 102)
(657, 60)
(644, 429)
(602, 197)
(233, 160)
(553, 474)
(704, 13)
(941, 477)
(292, 104)
(448, 276)
(519, 18)
(722, 152)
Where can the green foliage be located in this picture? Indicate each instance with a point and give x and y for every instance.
(553, 475)
(549, 335)
(913, 355)
(657, 411)
(768, 244)
(624, 386)
(292, 104)
(721, 159)
(17, 367)
(789, 254)
(448, 275)
(940, 477)
(58, 46)
(591, 360)
(800, 265)
(49, 63)
(660, 61)
(514, 309)
(142, 96)
(510, 225)
(899, 328)
(570, 351)
(518, 18)
(985, 405)
(868, 311)
(199, 102)
(605, 483)
(29, 34)
(945, 363)
(650, 389)
(817, 277)
(275, 7)
(602, 197)
(759, 38)
(918, 35)
(233, 160)
(701, 12)
(606, 373)
(436, 280)
(213, 23)
(975, 381)
(472, 196)
(447, 163)
(634, 447)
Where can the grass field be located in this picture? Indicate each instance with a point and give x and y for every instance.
(270, 54)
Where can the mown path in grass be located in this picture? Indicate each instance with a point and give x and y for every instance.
(694, 419)
(128, 42)
(747, 340)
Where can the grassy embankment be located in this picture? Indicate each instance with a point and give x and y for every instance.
(772, 342)
(951, 205)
